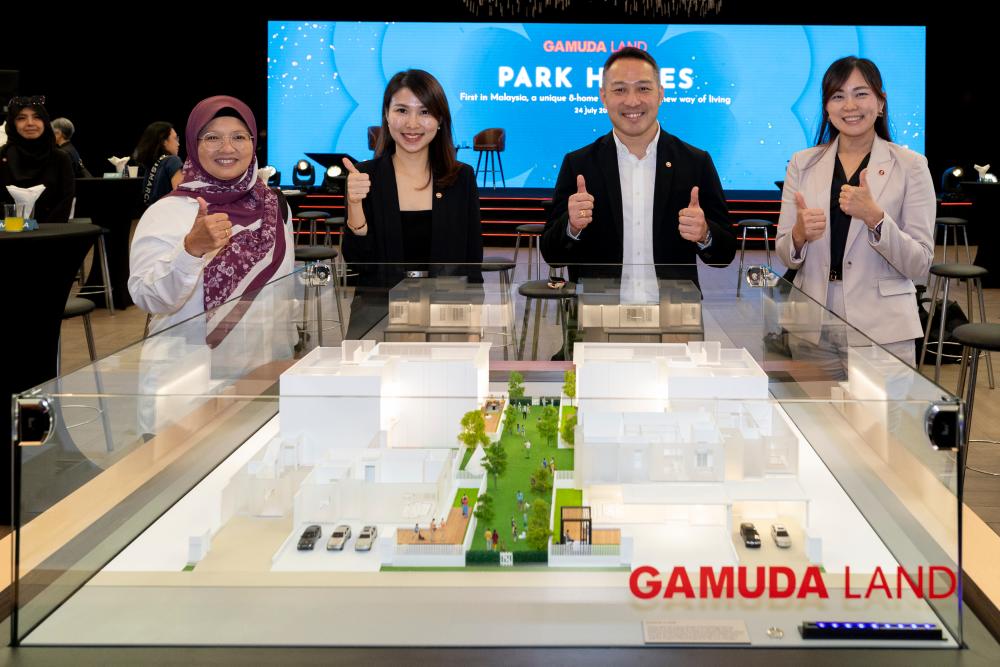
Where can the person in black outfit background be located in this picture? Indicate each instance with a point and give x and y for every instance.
(30, 157)
(674, 209)
(64, 131)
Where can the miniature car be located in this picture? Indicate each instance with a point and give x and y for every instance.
(366, 539)
(751, 538)
(309, 537)
(338, 538)
(780, 536)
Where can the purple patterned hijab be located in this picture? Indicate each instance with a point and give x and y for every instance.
(255, 252)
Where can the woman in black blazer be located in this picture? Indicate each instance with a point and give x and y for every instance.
(414, 205)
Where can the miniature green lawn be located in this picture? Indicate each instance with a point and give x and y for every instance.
(568, 498)
(518, 476)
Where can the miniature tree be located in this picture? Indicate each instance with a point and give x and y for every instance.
(495, 461)
(484, 508)
(569, 385)
(473, 430)
(541, 481)
(538, 525)
(515, 385)
(548, 425)
(511, 415)
(569, 430)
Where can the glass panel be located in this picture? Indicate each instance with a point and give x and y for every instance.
(172, 503)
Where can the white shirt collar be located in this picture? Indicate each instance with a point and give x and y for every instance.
(650, 149)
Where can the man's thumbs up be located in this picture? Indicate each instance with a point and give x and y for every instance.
(691, 220)
(580, 207)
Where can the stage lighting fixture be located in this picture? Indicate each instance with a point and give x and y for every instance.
(951, 183)
(335, 179)
(274, 179)
(304, 175)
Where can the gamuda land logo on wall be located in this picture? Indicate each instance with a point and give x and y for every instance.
(646, 582)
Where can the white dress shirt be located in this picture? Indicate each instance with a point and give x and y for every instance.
(638, 181)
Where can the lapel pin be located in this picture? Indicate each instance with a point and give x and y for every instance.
(668, 165)
(438, 195)
(881, 172)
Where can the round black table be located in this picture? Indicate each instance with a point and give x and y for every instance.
(36, 273)
(112, 203)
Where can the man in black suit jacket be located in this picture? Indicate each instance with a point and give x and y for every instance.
(682, 216)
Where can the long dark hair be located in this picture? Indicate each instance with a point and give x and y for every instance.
(441, 152)
(833, 80)
(150, 146)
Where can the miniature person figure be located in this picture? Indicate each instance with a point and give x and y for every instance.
(513, 528)
(495, 538)
(566, 538)
(527, 448)
(520, 500)
(545, 462)
(416, 531)
(465, 506)
(488, 536)
(433, 531)
(552, 466)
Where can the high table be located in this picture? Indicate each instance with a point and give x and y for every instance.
(112, 203)
(36, 273)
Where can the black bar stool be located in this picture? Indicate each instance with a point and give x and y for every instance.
(944, 273)
(504, 268)
(539, 291)
(954, 224)
(532, 232)
(100, 256)
(752, 223)
(313, 218)
(79, 307)
(975, 339)
(313, 255)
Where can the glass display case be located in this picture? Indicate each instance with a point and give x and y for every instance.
(731, 472)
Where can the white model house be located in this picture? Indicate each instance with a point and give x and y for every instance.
(681, 434)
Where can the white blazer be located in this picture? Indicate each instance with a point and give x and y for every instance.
(878, 276)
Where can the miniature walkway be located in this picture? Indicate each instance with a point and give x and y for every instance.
(452, 533)
(492, 411)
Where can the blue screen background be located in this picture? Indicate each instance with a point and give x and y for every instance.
(325, 84)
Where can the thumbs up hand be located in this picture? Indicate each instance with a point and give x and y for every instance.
(580, 207)
(358, 183)
(810, 223)
(857, 202)
(209, 232)
(692, 224)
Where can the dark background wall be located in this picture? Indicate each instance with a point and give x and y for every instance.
(114, 69)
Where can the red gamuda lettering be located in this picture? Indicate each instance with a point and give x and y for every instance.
(646, 582)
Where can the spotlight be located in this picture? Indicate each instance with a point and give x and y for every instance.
(335, 180)
(951, 183)
(304, 175)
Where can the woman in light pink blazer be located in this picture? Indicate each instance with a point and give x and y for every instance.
(857, 215)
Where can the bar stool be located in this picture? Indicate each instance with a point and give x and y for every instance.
(505, 268)
(944, 273)
(533, 232)
(954, 224)
(490, 142)
(312, 255)
(752, 223)
(539, 291)
(975, 338)
(78, 307)
(101, 257)
(374, 134)
(313, 218)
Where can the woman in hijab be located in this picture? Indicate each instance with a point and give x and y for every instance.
(220, 235)
(30, 157)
